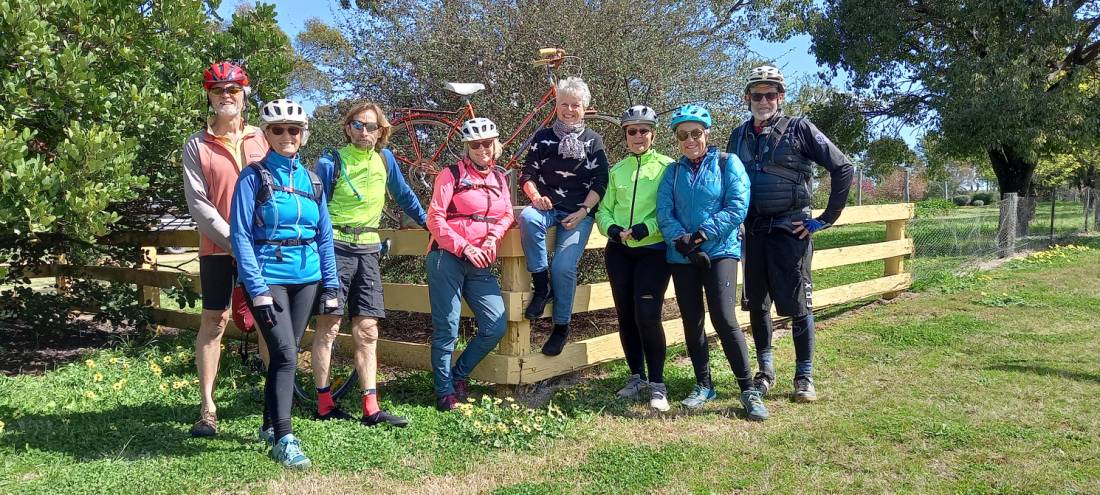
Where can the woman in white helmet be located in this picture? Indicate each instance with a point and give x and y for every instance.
(282, 238)
(470, 211)
(635, 256)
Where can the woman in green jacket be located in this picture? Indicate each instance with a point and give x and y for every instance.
(635, 256)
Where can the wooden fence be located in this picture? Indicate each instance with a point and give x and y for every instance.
(514, 362)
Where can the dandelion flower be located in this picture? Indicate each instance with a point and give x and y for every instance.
(118, 385)
(167, 359)
(477, 424)
(114, 360)
(89, 363)
(163, 386)
(98, 377)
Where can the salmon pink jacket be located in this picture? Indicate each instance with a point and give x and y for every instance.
(473, 208)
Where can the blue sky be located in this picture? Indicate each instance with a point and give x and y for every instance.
(792, 56)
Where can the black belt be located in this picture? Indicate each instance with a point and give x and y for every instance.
(284, 242)
(475, 217)
(354, 230)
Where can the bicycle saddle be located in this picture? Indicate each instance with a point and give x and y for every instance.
(463, 89)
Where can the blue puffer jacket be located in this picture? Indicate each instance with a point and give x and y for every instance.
(284, 216)
(714, 200)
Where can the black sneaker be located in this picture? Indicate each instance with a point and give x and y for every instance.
(556, 342)
(762, 383)
(335, 413)
(383, 417)
(542, 295)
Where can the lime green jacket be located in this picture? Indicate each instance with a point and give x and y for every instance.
(631, 197)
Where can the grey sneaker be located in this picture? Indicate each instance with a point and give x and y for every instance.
(699, 396)
(804, 389)
(762, 383)
(633, 389)
(658, 397)
(753, 402)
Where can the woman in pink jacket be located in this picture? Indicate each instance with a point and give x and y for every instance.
(469, 214)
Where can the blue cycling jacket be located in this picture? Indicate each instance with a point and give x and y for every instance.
(713, 199)
(283, 216)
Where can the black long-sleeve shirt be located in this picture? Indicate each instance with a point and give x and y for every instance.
(566, 181)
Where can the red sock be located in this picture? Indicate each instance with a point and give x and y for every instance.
(370, 403)
(325, 404)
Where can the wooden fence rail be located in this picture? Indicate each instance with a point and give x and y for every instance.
(513, 362)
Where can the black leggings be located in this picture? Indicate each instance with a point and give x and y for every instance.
(294, 306)
(639, 277)
(720, 283)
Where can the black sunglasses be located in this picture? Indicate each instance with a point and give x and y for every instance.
(693, 134)
(760, 96)
(634, 132)
(292, 130)
(368, 126)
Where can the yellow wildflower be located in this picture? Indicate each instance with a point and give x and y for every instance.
(477, 424)
(89, 363)
(1, 427)
(98, 377)
(114, 360)
(163, 386)
(167, 359)
(89, 395)
(125, 366)
(118, 385)
(509, 399)
(515, 407)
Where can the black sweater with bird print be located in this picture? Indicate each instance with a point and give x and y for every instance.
(566, 181)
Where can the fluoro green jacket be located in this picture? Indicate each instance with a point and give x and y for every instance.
(631, 197)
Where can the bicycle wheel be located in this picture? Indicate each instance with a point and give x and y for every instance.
(422, 145)
(342, 375)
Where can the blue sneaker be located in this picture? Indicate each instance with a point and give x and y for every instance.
(753, 402)
(288, 452)
(699, 396)
(267, 435)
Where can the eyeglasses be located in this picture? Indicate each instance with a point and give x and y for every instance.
(368, 126)
(476, 145)
(292, 130)
(693, 134)
(635, 131)
(232, 90)
(760, 96)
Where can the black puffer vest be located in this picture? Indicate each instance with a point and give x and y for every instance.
(779, 172)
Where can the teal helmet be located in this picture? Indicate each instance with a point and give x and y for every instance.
(691, 113)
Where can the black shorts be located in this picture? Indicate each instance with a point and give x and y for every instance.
(777, 268)
(360, 284)
(217, 274)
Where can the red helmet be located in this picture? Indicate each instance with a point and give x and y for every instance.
(220, 72)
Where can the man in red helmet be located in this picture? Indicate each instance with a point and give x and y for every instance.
(212, 160)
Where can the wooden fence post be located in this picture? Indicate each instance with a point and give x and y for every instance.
(895, 231)
(514, 278)
(64, 285)
(150, 296)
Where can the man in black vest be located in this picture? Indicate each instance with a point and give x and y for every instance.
(779, 153)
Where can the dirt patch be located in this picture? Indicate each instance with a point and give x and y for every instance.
(28, 349)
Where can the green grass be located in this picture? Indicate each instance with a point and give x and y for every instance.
(981, 383)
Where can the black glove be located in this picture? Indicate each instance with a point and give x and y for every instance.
(683, 247)
(614, 233)
(266, 315)
(329, 294)
(698, 237)
(639, 231)
(699, 259)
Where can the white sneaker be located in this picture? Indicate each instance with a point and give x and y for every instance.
(634, 386)
(658, 397)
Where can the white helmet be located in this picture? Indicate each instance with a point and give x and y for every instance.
(478, 128)
(639, 114)
(283, 112)
(766, 74)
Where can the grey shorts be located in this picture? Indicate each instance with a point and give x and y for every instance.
(360, 285)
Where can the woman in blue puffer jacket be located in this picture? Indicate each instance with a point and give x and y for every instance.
(701, 203)
(282, 239)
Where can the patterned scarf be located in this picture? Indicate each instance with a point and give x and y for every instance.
(570, 145)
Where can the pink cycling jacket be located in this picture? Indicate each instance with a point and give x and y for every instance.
(470, 210)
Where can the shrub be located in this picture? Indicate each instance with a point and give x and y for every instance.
(986, 197)
(977, 202)
(934, 207)
(961, 200)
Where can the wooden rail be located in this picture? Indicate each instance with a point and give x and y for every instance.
(513, 362)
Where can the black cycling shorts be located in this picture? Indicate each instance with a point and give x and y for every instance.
(360, 284)
(777, 268)
(217, 273)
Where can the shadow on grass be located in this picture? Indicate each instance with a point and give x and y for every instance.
(1048, 371)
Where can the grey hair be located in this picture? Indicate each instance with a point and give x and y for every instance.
(576, 87)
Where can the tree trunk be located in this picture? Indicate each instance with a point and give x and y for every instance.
(1014, 172)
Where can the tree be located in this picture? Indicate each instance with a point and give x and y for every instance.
(97, 98)
(656, 53)
(995, 77)
(886, 154)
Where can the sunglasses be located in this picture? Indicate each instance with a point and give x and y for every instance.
(232, 90)
(760, 96)
(693, 134)
(292, 130)
(368, 126)
(476, 145)
(634, 132)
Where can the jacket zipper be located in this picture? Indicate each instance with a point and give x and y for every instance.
(634, 194)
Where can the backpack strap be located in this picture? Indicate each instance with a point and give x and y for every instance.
(776, 134)
(456, 172)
